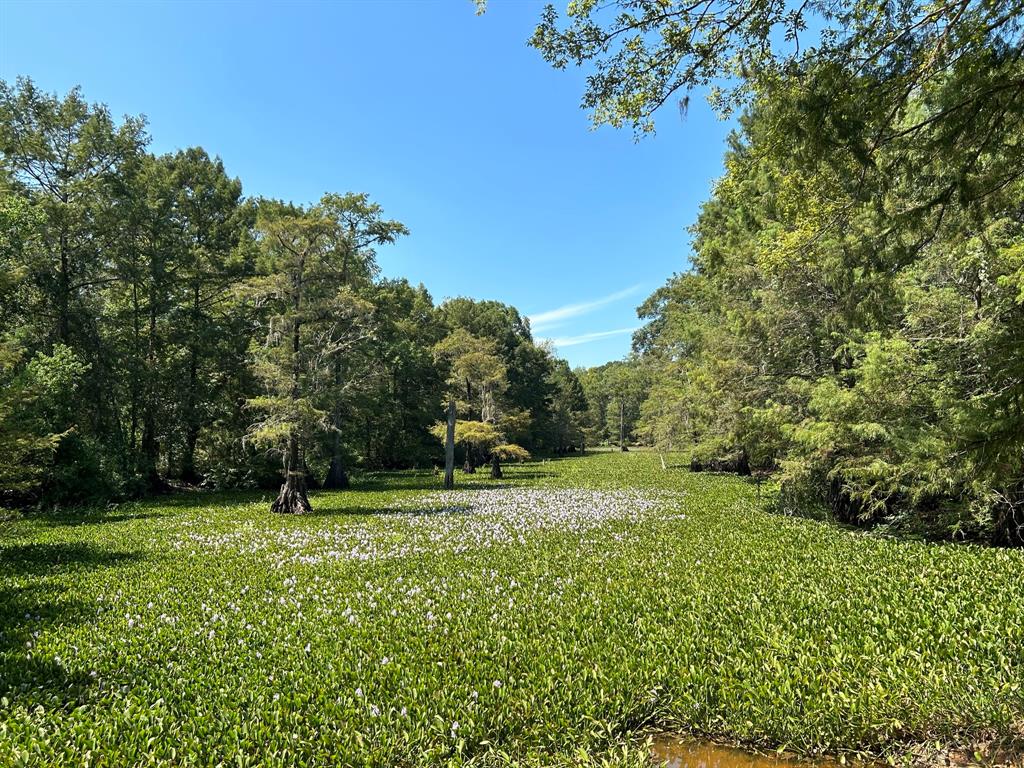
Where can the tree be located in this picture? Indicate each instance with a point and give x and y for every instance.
(148, 311)
(613, 393)
(360, 228)
(210, 221)
(65, 153)
(475, 372)
(867, 363)
(528, 389)
(313, 319)
(651, 50)
(395, 382)
(568, 408)
(66, 158)
(485, 438)
(32, 395)
(506, 452)
(31, 403)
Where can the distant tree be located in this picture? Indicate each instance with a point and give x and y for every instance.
(484, 438)
(568, 407)
(506, 452)
(528, 387)
(476, 374)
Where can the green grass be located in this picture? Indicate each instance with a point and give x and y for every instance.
(202, 630)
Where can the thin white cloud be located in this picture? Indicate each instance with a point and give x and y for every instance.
(584, 338)
(555, 317)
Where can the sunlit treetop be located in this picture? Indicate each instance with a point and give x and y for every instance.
(644, 53)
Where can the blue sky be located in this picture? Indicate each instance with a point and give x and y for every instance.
(446, 118)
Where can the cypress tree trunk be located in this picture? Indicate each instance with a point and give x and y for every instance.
(495, 467)
(743, 463)
(192, 425)
(150, 454)
(337, 477)
(292, 500)
(188, 460)
(622, 429)
(150, 445)
(64, 288)
(449, 446)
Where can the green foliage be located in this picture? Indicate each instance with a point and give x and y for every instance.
(528, 386)
(511, 452)
(485, 438)
(614, 393)
(33, 399)
(476, 373)
(643, 53)
(201, 630)
(837, 329)
(851, 313)
(212, 328)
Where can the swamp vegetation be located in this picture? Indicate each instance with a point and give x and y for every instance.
(557, 616)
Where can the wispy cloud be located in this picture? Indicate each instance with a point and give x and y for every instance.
(554, 317)
(583, 338)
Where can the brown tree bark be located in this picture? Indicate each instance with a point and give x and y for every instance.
(292, 499)
(337, 477)
(449, 446)
(192, 421)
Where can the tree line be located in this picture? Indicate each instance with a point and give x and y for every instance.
(159, 329)
(853, 314)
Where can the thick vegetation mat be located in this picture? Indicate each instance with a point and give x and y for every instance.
(553, 616)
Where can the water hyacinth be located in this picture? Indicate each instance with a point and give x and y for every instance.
(449, 522)
(579, 604)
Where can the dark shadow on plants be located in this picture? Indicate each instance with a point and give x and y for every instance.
(71, 517)
(50, 559)
(26, 610)
(28, 678)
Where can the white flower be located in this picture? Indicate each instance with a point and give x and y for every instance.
(497, 683)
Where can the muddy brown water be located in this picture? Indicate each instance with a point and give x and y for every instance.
(682, 753)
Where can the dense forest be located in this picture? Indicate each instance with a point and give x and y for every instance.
(854, 312)
(852, 319)
(160, 329)
(265, 504)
